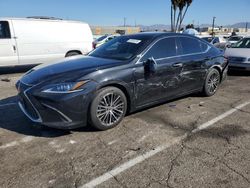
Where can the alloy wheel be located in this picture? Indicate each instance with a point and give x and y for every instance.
(110, 109)
(213, 83)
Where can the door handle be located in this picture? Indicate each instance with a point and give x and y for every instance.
(14, 48)
(207, 58)
(177, 65)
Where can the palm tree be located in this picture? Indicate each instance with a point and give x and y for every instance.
(177, 6)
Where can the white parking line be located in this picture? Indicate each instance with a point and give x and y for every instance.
(8, 104)
(220, 117)
(10, 144)
(125, 166)
(25, 139)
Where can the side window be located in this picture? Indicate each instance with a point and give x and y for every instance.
(190, 45)
(4, 30)
(162, 49)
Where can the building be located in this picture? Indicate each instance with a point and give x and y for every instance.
(223, 30)
(103, 30)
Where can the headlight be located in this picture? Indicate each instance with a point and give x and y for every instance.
(66, 87)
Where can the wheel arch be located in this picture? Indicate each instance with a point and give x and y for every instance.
(70, 51)
(218, 68)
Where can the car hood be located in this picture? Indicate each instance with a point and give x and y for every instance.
(237, 52)
(69, 69)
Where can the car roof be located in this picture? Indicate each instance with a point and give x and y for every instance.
(41, 19)
(160, 34)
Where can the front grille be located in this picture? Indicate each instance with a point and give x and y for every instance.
(28, 106)
(26, 103)
(236, 59)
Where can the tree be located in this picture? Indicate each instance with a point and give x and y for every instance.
(180, 8)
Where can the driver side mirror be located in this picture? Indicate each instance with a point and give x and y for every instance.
(150, 65)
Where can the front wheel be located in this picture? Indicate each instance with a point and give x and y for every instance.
(212, 83)
(108, 108)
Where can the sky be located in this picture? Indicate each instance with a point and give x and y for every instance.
(140, 12)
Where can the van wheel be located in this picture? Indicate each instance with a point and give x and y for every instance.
(212, 83)
(108, 108)
(69, 54)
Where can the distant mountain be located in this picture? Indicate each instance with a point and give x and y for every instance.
(240, 25)
(161, 27)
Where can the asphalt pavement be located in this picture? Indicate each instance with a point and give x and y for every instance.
(189, 142)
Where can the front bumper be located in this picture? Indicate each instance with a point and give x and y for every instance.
(62, 111)
(239, 66)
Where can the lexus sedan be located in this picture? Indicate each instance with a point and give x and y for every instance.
(122, 76)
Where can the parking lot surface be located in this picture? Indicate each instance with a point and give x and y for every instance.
(189, 142)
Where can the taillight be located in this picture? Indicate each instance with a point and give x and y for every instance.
(225, 59)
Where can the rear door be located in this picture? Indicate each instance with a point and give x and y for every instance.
(164, 83)
(193, 56)
(8, 50)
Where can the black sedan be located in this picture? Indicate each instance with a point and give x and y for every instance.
(122, 76)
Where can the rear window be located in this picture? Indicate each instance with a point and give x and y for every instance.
(192, 46)
(162, 49)
(4, 30)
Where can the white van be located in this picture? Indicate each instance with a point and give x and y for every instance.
(37, 40)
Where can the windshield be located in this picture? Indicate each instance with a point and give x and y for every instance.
(234, 38)
(122, 48)
(244, 43)
(101, 38)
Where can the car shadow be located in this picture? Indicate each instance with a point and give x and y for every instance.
(12, 119)
(226, 132)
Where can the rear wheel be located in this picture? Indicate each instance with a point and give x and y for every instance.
(108, 108)
(69, 54)
(212, 83)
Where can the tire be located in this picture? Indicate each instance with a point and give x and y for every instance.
(69, 54)
(212, 83)
(105, 114)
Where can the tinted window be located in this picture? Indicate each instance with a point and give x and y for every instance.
(191, 46)
(234, 38)
(122, 48)
(162, 49)
(4, 30)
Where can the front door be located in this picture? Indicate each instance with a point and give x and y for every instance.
(8, 49)
(164, 82)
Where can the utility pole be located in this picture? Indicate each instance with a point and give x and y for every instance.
(124, 21)
(246, 27)
(213, 25)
